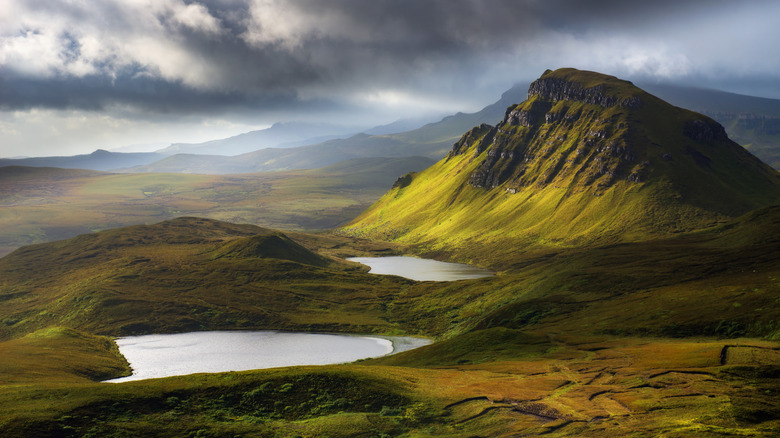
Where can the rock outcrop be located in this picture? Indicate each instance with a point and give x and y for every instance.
(556, 89)
(581, 129)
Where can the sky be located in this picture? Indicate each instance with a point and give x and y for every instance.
(79, 75)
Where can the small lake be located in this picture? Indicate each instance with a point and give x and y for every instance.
(421, 269)
(153, 356)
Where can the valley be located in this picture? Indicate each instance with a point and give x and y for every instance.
(45, 204)
(636, 288)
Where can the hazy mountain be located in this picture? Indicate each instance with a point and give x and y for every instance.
(713, 101)
(288, 134)
(752, 122)
(401, 125)
(98, 160)
(587, 158)
(432, 140)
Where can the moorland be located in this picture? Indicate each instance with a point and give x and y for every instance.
(637, 293)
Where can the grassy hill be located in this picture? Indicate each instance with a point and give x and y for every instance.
(185, 274)
(587, 158)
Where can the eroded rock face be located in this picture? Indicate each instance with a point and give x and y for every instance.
(587, 138)
(532, 155)
(535, 116)
(556, 89)
(704, 131)
(470, 137)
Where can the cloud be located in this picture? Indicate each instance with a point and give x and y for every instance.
(314, 49)
(156, 58)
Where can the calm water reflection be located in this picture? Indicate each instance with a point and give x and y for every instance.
(421, 269)
(154, 356)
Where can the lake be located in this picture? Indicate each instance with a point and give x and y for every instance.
(421, 269)
(152, 356)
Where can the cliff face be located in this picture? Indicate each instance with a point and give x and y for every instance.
(587, 136)
(555, 89)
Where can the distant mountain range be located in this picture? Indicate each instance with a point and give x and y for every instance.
(98, 160)
(432, 140)
(752, 122)
(288, 134)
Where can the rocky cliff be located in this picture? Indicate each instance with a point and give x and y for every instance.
(575, 134)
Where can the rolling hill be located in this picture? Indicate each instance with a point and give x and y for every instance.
(674, 336)
(169, 276)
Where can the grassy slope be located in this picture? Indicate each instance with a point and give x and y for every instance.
(187, 274)
(764, 143)
(550, 345)
(750, 121)
(44, 204)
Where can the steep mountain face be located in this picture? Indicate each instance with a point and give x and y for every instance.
(586, 158)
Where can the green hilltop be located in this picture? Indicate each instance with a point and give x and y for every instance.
(587, 158)
(188, 274)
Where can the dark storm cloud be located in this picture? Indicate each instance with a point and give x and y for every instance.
(218, 52)
(95, 93)
(264, 60)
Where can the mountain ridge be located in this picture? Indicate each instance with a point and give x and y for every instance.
(587, 157)
(432, 140)
(278, 135)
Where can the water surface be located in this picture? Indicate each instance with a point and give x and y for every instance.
(153, 356)
(421, 269)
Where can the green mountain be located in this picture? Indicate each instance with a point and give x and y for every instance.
(587, 158)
